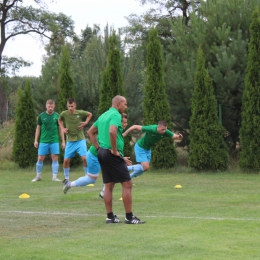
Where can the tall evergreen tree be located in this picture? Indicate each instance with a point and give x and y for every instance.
(207, 149)
(156, 105)
(24, 152)
(112, 82)
(66, 84)
(66, 90)
(249, 132)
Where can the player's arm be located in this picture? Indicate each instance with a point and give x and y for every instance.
(63, 129)
(177, 136)
(83, 124)
(62, 138)
(112, 134)
(92, 133)
(37, 134)
(132, 128)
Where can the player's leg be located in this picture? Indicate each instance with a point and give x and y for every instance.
(55, 151)
(93, 170)
(143, 156)
(104, 158)
(43, 150)
(68, 154)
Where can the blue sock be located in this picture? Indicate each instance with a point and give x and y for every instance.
(86, 170)
(39, 166)
(55, 167)
(137, 170)
(66, 173)
(83, 181)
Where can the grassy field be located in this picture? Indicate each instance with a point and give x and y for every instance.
(213, 217)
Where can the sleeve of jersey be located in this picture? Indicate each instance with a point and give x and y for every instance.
(147, 129)
(84, 114)
(168, 133)
(116, 120)
(61, 116)
(39, 121)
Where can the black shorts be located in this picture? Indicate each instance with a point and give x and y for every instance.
(114, 168)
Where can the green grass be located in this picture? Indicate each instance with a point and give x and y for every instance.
(213, 216)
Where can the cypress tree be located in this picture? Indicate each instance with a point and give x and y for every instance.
(66, 90)
(112, 82)
(249, 132)
(66, 84)
(207, 149)
(156, 105)
(24, 152)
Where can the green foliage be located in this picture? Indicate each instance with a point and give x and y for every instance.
(156, 105)
(66, 91)
(112, 82)
(24, 152)
(207, 149)
(66, 84)
(249, 131)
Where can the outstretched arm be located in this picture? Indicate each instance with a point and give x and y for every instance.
(177, 136)
(132, 128)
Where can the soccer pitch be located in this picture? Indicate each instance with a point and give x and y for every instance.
(213, 216)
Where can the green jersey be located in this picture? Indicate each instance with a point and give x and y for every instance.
(72, 121)
(151, 136)
(49, 127)
(93, 150)
(103, 123)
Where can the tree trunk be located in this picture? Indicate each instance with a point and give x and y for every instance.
(3, 106)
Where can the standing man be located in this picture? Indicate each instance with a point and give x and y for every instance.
(143, 147)
(110, 145)
(71, 124)
(47, 129)
(93, 167)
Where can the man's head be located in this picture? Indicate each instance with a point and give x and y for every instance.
(162, 126)
(71, 105)
(124, 120)
(119, 103)
(50, 105)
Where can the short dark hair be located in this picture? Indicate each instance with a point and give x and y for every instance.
(163, 123)
(71, 100)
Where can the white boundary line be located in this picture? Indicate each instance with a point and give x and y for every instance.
(88, 215)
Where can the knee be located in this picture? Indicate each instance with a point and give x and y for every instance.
(146, 166)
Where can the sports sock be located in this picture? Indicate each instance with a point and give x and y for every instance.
(110, 215)
(39, 166)
(66, 173)
(85, 170)
(55, 168)
(83, 181)
(137, 170)
(129, 215)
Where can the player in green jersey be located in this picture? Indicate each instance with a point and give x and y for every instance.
(143, 147)
(47, 129)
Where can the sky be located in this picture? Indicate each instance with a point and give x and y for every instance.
(83, 13)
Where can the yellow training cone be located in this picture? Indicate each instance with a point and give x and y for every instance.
(178, 186)
(121, 198)
(90, 185)
(24, 196)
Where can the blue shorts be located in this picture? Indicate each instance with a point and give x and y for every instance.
(93, 164)
(142, 155)
(48, 148)
(72, 148)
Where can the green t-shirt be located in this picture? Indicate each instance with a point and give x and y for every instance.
(93, 150)
(49, 127)
(72, 121)
(151, 136)
(103, 123)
